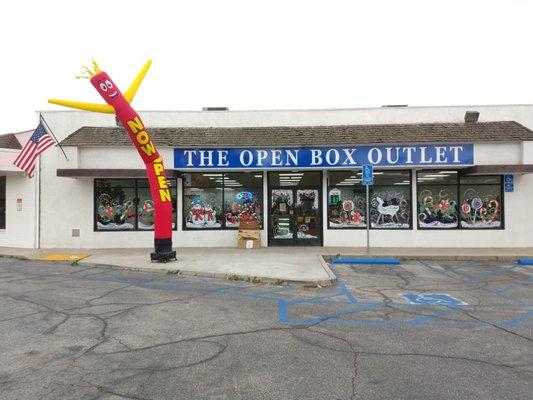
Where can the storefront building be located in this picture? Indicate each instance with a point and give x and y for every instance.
(443, 177)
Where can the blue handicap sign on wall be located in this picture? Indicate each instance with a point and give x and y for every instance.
(368, 175)
(434, 299)
(508, 183)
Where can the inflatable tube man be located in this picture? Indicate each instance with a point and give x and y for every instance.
(119, 104)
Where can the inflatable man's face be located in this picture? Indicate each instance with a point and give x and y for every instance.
(106, 87)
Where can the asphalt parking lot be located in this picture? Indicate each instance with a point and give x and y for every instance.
(416, 331)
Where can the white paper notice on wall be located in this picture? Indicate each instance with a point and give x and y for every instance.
(19, 204)
(249, 244)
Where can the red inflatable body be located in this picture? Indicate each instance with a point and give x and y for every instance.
(155, 170)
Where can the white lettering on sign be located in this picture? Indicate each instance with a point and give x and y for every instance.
(336, 156)
(389, 155)
(223, 158)
(349, 157)
(250, 156)
(455, 150)
(204, 158)
(423, 159)
(458, 154)
(276, 158)
(293, 156)
(409, 156)
(261, 156)
(316, 157)
(440, 156)
(375, 155)
(189, 154)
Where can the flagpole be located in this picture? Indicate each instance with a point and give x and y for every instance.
(52, 133)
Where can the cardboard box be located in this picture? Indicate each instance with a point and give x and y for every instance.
(248, 234)
(249, 244)
(252, 225)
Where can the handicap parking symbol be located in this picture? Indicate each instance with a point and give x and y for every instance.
(434, 299)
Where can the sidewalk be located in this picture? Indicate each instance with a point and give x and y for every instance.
(300, 264)
(267, 264)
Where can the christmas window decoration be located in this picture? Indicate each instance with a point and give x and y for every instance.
(390, 200)
(346, 200)
(437, 196)
(481, 202)
(222, 200)
(126, 205)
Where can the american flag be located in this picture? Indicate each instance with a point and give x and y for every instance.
(39, 142)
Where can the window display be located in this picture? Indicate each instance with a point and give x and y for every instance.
(437, 199)
(126, 205)
(221, 200)
(346, 200)
(390, 200)
(481, 202)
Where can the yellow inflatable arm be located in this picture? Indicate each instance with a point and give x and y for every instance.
(106, 108)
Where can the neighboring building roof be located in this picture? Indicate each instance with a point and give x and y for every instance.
(9, 141)
(502, 131)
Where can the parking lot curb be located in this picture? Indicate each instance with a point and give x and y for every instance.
(232, 277)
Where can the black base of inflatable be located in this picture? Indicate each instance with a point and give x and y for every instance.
(163, 251)
(163, 257)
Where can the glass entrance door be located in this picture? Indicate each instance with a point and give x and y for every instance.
(295, 208)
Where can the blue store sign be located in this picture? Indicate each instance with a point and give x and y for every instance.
(323, 157)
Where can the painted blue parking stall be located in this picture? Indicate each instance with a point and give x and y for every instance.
(339, 306)
(365, 260)
(434, 299)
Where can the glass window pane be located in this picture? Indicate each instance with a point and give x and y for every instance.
(244, 204)
(202, 180)
(298, 178)
(202, 208)
(142, 183)
(481, 180)
(437, 206)
(145, 209)
(174, 196)
(243, 179)
(347, 206)
(390, 177)
(346, 178)
(390, 200)
(447, 177)
(307, 214)
(481, 206)
(115, 206)
(282, 209)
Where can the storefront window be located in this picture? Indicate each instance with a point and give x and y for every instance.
(126, 205)
(2, 202)
(437, 199)
(390, 200)
(346, 200)
(481, 202)
(222, 200)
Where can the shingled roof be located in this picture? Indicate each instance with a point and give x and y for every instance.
(9, 141)
(502, 131)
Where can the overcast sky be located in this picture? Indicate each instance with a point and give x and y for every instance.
(267, 54)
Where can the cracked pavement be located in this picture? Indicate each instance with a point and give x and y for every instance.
(71, 332)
